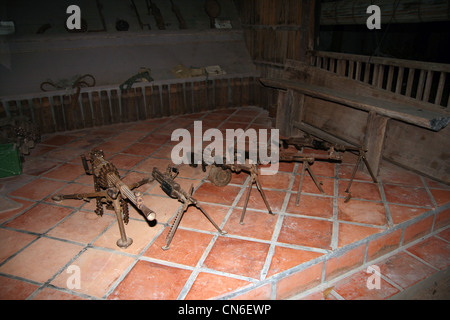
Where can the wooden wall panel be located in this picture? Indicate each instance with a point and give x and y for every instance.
(419, 149)
(341, 121)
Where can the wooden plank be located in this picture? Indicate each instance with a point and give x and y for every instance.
(2, 111)
(236, 89)
(181, 98)
(26, 109)
(210, 95)
(140, 105)
(13, 109)
(390, 78)
(351, 69)
(59, 114)
(175, 103)
(321, 134)
(245, 97)
(283, 118)
(315, 76)
(420, 85)
(37, 110)
(96, 109)
(358, 71)
(48, 123)
(409, 82)
(424, 118)
(374, 140)
(367, 73)
(440, 89)
(148, 103)
(165, 104)
(398, 85)
(156, 101)
(337, 119)
(124, 106)
(77, 113)
(87, 110)
(68, 113)
(419, 149)
(427, 89)
(106, 109)
(115, 107)
(188, 97)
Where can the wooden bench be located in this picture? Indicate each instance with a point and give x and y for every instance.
(348, 110)
(426, 118)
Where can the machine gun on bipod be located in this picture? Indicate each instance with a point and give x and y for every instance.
(300, 142)
(220, 175)
(110, 191)
(174, 190)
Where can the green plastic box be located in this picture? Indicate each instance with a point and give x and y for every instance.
(10, 164)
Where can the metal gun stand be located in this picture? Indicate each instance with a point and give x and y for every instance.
(318, 184)
(254, 178)
(107, 177)
(361, 156)
(174, 190)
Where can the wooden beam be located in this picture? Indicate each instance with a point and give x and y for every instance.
(433, 120)
(374, 139)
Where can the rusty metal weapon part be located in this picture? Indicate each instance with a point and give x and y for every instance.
(110, 191)
(220, 175)
(252, 170)
(174, 190)
(300, 142)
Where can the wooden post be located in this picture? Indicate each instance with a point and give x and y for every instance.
(87, 110)
(115, 107)
(284, 121)
(59, 113)
(374, 139)
(166, 112)
(106, 110)
(139, 101)
(96, 107)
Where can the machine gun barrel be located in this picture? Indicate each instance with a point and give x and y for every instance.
(109, 177)
(134, 197)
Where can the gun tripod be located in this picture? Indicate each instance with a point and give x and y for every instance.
(174, 190)
(113, 195)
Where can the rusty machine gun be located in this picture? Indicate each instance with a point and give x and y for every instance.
(300, 142)
(307, 160)
(174, 190)
(220, 175)
(111, 191)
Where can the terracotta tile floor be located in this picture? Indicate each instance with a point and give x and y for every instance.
(64, 251)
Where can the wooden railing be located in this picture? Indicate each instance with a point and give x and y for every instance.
(424, 81)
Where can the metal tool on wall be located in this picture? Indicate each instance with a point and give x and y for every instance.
(174, 190)
(111, 191)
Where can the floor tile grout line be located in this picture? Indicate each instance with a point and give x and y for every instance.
(335, 218)
(193, 276)
(387, 210)
(445, 240)
(433, 201)
(277, 228)
(421, 260)
(332, 254)
(46, 283)
(375, 261)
